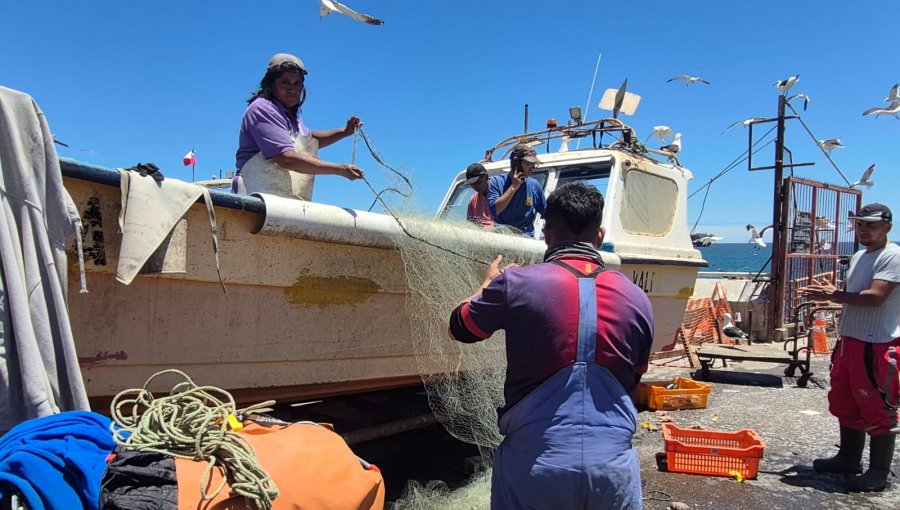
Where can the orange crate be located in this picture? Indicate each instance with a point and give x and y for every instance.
(712, 452)
(687, 394)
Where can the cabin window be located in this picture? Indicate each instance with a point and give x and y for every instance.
(593, 175)
(459, 200)
(648, 203)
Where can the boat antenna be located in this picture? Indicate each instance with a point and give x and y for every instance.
(526, 118)
(590, 93)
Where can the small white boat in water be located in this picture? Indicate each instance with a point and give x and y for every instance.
(316, 293)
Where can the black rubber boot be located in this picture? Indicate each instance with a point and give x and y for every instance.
(881, 455)
(849, 457)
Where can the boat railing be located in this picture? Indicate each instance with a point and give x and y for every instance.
(628, 139)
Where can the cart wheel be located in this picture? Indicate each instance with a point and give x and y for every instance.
(801, 382)
(790, 370)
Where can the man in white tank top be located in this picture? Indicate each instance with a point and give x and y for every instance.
(864, 379)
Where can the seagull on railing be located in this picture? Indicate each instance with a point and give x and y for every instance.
(804, 97)
(784, 85)
(757, 237)
(674, 147)
(866, 179)
(831, 144)
(732, 331)
(330, 6)
(745, 123)
(661, 132)
(688, 80)
(892, 109)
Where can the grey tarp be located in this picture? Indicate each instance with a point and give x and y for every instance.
(39, 373)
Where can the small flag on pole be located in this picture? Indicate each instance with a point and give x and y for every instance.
(190, 158)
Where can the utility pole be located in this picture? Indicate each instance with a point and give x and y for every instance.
(775, 312)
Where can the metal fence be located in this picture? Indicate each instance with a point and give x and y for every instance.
(817, 239)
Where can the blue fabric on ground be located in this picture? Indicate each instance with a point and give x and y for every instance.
(56, 462)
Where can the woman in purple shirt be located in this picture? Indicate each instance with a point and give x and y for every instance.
(277, 154)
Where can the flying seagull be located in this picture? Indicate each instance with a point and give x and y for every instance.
(661, 132)
(688, 80)
(745, 123)
(893, 95)
(831, 144)
(804, 97)
(732, 331)
(757, 237)
(330, 6)
(707, 240)
(865, 180)
(784, 85)
(892, 109)
(674, 147)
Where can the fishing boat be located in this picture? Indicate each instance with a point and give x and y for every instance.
(316, 293)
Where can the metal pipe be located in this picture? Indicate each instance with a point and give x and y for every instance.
(389, 429)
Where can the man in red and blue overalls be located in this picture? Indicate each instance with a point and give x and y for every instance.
(865, 385)
(578, 339)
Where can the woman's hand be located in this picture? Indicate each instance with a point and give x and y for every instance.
(353, 123)
(351, 172)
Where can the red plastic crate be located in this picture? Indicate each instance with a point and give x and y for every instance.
(713, 452)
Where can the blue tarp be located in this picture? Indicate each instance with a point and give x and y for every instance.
(56, 462)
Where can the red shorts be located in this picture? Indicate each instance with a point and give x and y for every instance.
(864, 394)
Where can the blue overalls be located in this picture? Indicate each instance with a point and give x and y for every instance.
(568, 444)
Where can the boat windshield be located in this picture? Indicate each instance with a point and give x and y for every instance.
(596, 175)
(459, 200)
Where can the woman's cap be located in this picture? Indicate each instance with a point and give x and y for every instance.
(285, 62)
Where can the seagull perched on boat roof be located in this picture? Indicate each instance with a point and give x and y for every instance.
(661, 132)
(804, 97)
(329, 6)
(865, 180)
(757, 237)
(732, 331)
(745, 123)
(784, 85)
(674, 147)
(831, 144)
(688, 80)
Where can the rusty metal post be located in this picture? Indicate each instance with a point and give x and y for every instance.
(775, 312)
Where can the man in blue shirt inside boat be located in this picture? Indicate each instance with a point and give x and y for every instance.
(515, 199)
(578, 339)
(865, 387)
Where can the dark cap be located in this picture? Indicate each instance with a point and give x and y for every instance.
(474, 172)
(285, 62)
(524, 152)
(873, 212)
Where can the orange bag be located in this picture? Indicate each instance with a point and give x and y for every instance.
(312, 466)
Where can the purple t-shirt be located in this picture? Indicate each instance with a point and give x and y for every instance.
(537, 306)
(267, 127)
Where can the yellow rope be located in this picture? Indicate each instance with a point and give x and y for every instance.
(192, 423)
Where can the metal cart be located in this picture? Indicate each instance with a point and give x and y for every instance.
(796, 356)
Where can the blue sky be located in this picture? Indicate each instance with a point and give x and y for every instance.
(124, 82)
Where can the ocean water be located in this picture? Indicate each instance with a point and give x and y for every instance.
(736, 257)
